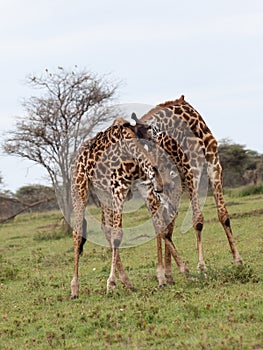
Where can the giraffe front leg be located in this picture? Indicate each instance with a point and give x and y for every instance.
(168, 265)
(170, 250)
(198, 224)
(167, 256)
(201, 267)
(181, 265)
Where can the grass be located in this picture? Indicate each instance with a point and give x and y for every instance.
(250, 190)
(222, 311)
(244, 191)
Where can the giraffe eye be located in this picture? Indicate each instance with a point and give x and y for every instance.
(173, 174)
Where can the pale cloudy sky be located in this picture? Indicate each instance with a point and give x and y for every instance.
(210, 51)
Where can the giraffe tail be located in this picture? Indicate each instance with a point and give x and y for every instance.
(84, 236)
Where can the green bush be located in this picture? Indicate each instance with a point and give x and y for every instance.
(251, 190)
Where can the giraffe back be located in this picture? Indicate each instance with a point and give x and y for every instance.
(181, 122)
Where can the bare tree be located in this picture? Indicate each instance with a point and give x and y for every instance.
(73, 106)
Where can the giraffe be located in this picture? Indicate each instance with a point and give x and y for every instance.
(181, 131)
(105, 167)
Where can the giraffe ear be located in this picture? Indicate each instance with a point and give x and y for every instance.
(140, 129)
(135, 118)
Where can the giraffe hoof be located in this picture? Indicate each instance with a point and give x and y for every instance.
(111, 286)
(162, 285)
(172, 282)
(191, 279)
(74, 297)
(130, 287)
(201, 268)
(238, 261)
(184, 269)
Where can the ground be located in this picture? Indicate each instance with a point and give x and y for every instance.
(222, 311)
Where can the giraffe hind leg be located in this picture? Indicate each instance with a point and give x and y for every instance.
(74, 285)
(107, 228)
(117, 263)
(160, 271)
(227, 227)
(122, 274)
(170, 250)
(215, 176)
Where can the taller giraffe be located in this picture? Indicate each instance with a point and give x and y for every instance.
(181, 131)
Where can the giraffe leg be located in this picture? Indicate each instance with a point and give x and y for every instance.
(153, 205)
(106, 227)
(192, 180)
(167, 255)
(215, 175)
(160, 271)
(116, 238)
(198, 224)
(160, 222)
(225, 221)
(75, 283)
(170, 249)
(164, 273)
(79, 236)
(79, 241)
(111, 281)
(168, 264)
(173, 251)
(122, 274)
(198, 231)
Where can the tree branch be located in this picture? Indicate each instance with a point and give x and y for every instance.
(28, 206)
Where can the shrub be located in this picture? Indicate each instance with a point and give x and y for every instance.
(251, 190)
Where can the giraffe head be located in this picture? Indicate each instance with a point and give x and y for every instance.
(162, 175)
(171, 179)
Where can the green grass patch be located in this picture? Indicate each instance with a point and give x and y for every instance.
(251, 190)
(244, 191)
(222, 310)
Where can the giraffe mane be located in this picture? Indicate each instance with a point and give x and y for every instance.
(169, 103)
(172, 102)
(119, 121)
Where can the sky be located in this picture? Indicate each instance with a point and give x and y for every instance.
(210, 51)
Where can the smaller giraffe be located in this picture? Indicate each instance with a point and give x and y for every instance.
(105, 168)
